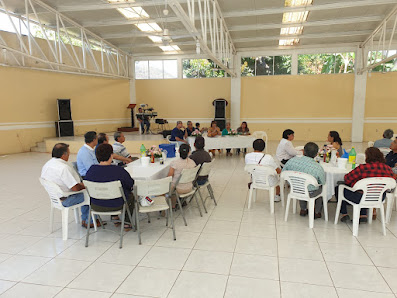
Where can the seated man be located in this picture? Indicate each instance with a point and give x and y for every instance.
(58, 170)
(104, 139)
(285, 150)
(106, 172)
(119, 149)
(144, 121)
(307, 164)
(391, 157)
(386, 141)
(374, 166)
(259, 158)
(190, 128)
(86, 155)
(178, 134)
(200, 156)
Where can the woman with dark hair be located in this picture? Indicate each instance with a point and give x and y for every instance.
(335, 141)
(212, 132)
(176, 168)
(285, 149)
(244, 130)
(375, 166)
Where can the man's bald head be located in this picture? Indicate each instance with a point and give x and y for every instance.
(61, 150)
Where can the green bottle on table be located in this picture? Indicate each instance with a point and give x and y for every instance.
(352, 158)
(143, 150)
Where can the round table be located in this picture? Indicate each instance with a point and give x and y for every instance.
(333, 175)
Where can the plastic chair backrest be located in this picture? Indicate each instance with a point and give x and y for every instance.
(104, 190)
(53, 190)
(249, 168)
(168, 138)
(360, 158)
(299, 183)
(153, 187)
(205, 169)
(259, 134)
(261, 175)
(189, 175)
(371, 144)
(373, 189)
(385, 151)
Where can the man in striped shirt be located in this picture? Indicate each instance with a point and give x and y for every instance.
(119, 148)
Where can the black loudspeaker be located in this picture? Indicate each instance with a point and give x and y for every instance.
(220, 108)
(221, 123)
(64, 128)
(166, 133)
(64, 111)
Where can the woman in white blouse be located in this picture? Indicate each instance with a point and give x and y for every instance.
(285, 150)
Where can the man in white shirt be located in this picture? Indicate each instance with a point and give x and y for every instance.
(119, 148)
(58, 171)
(259, 158)
(285, 150)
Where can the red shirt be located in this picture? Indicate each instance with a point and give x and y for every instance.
(368, 170)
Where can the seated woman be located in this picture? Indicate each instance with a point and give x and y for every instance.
(245, 131)
(176, 168)
(285, 149)
(106, 172)
(259, 158)
(212, 132)
(336, 142)
(375, 166)
(227, 130)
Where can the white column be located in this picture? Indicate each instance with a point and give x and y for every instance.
(132, 81)
(235, 93)
(294, 63)
(360, 88)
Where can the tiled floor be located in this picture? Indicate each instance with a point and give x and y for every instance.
(229, 252)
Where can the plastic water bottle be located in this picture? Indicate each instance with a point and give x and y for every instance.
(143, 150)
(352, 157)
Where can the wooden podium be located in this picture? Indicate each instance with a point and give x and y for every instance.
(132, 128)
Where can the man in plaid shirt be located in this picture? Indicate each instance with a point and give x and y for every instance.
(375, 166)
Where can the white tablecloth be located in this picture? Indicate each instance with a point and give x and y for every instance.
(333, 175)
(151, 172)
(224, 142)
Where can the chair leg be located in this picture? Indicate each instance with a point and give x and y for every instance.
(65, 223)
(311, 213)
(325, 205)
(337, 211)
(76, 215)
(282, 195)
(88, 226)
(148, 217)
(370, 214)
(271, 194)
(101, 222)
(172, 217)
(254, 193)
(382, 218)
(294, 202)
(389, 207)
(198, 205)
(52, 219)
(211, 192)
(202, 201)
(137, 221)
(130, 216)
(167, 218)
(94, 222)
(122, 226)
(180, 206)
(356, 219)
(287, 208)
(250, 197)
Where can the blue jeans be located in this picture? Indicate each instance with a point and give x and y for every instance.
(74, 200)
(202, 182)
(143, 123)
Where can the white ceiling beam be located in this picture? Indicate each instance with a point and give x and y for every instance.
(122, 21)
(380, 26)
(134, 34)
(328, 6)
(103, 6)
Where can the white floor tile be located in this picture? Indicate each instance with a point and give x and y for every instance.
(257, 230)
(102, 277)
(18, 267)
(149, 282)
(304, 271)
(256, 246)
(298, 290)
(57, 272)
(238, 287)
(383, 256)
(48, 247)
(255, 266)
(229, 215)
(342, 253)
(346, 293)
(22, 290)
(222, 227)
(198, 285)
(299, 250)
(5, 285)
(183, 239)
(357, 277)
(75, 293)
(216, 242)
(16, 243)
(78, 251)
(390, 275)
(209, 261)
(166, 258)
(131, 254)
(335, 236)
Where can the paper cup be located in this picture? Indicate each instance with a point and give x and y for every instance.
(342, 162)
(145, 161)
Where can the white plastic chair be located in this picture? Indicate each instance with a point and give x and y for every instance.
(371, 144)
(187, 176)
(261, 176)
(106, 191)
(385, 151)
(55, 193)
(172, 142)
(205, 171)
(74, 164)
(360, 158)
(156, 189)
(391, 199)
(299, 183)
(373, 190)
(261, 135)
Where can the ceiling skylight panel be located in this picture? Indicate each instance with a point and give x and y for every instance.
(292, 30)
(155, 38)
(295, 17)
(293, 3)
(170, 48)
(149, 27)
(133, 12)
(288, 42)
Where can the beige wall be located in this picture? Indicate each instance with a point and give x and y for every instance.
(28, 105)
(275, 103)
(381, 105)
